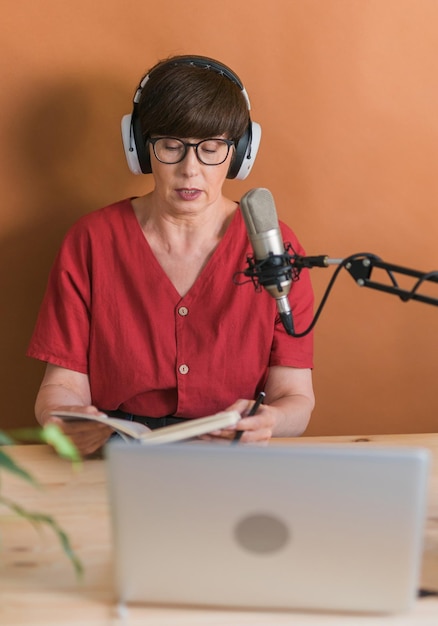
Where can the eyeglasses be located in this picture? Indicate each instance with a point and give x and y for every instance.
(171, 150)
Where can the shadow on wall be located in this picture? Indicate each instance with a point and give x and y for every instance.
(71, 162)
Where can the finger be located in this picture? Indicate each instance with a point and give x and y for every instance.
(242, 406)
(218, 435)
(256, 436)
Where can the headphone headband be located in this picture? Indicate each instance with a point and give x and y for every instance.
(137, 153)
(208, 64)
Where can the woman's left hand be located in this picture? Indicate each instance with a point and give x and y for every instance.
(286, 413)
(255, 428)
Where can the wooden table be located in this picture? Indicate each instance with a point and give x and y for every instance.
(38, 586)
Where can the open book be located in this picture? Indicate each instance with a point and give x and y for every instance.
(175, 432)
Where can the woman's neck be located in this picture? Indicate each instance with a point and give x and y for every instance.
(183, 229)
(183, 244)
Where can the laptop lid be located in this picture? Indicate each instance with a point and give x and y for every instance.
(319, 527)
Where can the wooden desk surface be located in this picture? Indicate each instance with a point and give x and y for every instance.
(38, 586)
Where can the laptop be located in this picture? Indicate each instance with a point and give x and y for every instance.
(320, 527)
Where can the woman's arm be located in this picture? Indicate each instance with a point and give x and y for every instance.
(290, 391)
(67, 390)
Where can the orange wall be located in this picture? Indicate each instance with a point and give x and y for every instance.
(346, 92)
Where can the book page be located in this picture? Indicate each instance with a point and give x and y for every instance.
(192, 428)
(120, 425)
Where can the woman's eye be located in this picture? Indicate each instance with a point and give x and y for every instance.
(210, 147)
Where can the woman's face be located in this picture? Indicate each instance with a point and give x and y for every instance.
(189, 186)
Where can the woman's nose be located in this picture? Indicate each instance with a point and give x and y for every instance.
(190, 163)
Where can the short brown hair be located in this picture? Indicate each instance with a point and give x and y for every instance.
(184, 100)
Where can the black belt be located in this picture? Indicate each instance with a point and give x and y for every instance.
(151, 422)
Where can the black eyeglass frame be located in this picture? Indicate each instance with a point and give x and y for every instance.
(187, 145)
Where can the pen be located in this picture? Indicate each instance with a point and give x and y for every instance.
(253, 411)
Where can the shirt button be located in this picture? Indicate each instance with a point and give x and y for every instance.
(183, 369)
(183, 311)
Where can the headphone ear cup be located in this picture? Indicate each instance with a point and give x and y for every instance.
(245, 152)
(136, 151)
(129, 145)
(141, 146)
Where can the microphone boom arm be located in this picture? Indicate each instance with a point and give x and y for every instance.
(361, 271)
(360, 267)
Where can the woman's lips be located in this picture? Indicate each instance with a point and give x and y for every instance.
(188, 194)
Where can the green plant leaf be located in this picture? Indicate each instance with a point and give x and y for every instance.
(52, 435)
(41, 518)
(6, 440)
(25, 434)
(7, 463)
(63, 445)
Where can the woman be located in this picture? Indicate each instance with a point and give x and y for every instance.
(141, 316)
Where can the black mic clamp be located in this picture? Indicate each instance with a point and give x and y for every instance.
(275, 273)
(275, 269)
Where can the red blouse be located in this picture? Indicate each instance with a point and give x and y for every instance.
(111, 312)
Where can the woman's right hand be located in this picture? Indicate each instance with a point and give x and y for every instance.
(87, 436)
(67, 390)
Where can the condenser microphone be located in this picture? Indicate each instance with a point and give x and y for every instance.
(272, 265)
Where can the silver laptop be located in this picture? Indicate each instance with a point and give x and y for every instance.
(319, 527)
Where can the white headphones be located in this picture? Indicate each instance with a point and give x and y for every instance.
(137, 153)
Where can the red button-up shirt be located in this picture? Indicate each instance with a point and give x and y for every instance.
(110, 311)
